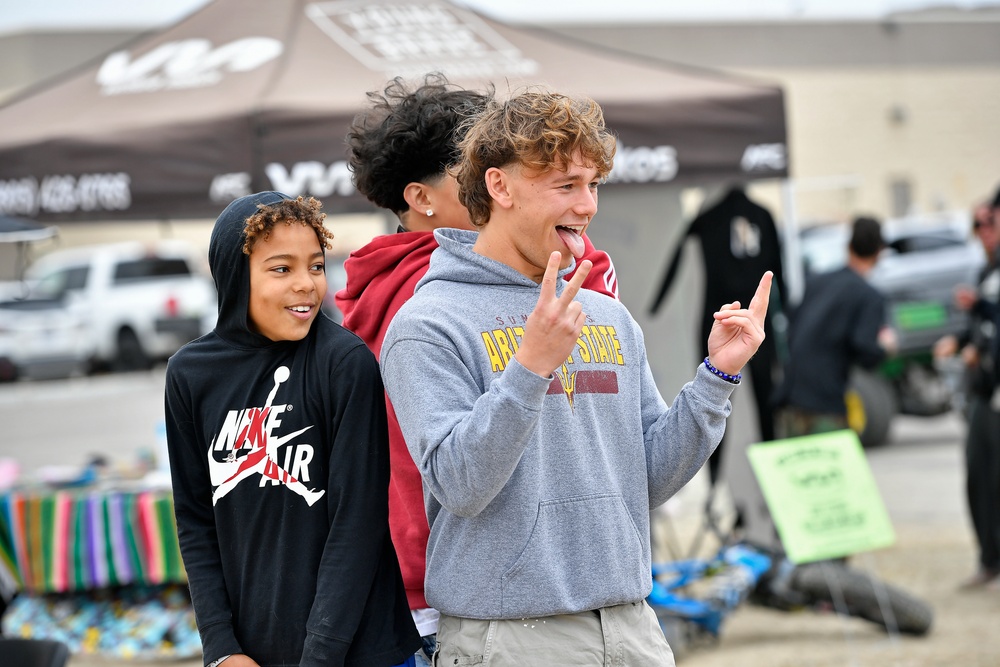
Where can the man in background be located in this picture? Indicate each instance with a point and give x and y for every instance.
(982, 441)
(840, 323)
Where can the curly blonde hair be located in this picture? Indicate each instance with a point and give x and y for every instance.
(288, 211)
(537, 129)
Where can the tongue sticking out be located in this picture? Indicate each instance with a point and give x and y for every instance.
(572, 240)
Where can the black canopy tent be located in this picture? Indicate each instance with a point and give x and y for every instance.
(243, 96)
(19, 232)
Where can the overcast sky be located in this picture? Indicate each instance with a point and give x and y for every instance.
(19, 15)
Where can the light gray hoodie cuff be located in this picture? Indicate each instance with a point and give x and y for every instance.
(712, 387)
(524, 386)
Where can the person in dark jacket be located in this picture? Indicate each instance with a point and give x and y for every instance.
(276, 431)
(982, 440)
(840, 323)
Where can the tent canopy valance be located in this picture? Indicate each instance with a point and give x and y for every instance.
(243, 96)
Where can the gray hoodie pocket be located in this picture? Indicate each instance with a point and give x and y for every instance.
(584, 552)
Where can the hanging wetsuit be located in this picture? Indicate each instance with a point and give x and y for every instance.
(739, 242)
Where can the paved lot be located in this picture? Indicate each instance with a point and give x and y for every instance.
(65, 422)
(919, 475)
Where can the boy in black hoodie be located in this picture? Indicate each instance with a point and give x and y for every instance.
(279, 458)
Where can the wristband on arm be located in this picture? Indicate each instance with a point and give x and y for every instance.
(734, 379)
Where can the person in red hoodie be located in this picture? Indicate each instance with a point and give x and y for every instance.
(400, 151)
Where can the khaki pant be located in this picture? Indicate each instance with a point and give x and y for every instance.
(795, 423)
(625, 635)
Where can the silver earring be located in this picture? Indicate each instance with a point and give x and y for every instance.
(429, 213)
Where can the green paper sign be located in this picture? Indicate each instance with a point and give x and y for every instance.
(822, 496)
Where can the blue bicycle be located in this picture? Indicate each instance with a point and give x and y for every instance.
(692, 597)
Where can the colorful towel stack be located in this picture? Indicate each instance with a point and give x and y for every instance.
(67, 541)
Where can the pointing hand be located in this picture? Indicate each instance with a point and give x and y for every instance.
(737, 333)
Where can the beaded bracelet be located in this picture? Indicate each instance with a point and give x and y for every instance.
(735, 379)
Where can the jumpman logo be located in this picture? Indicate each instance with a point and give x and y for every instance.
(255, 434)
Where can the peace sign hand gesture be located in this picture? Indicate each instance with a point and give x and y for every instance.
(737, 333)
(555, 324)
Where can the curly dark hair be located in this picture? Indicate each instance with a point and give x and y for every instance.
(408, 136)
(288, 211)
(538, 129)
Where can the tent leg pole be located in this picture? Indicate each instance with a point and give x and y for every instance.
(794, 273)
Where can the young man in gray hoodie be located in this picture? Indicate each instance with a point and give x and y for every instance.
(530, 410)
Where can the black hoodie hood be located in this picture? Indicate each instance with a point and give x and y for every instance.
(231, 269)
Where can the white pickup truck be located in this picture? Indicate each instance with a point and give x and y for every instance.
(122, 306)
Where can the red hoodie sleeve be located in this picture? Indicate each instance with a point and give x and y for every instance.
(602, 277)
(381, 277)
